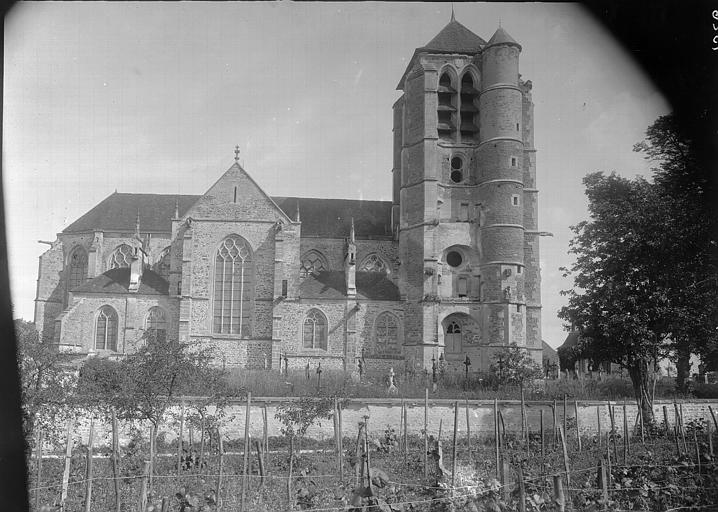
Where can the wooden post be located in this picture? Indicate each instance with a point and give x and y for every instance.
(555, 423)
(201, 443)
(543, 448)
(558, 493)
(608, 461)
(38, 469)
(246, 451)
(683, 430)
(290, 497)
(602, 482)
(565, 456)
(503, 430)
(341, 443)
(565, 425)
(115, 456)
(626, 445)
(406, 447)
(578, 425)
(180, 440)
(640, 421)
(453, 446)
(145, 485)
(709, 434)
(153, 435)
(68, 460)
(221, 468)
(677, 418)
(505, 479)
(368, 461)
(358, 467)
(613, 432)
(713, 415)
(88, 468)
(496, 434)
(165, 504)
(468, 432)
(524, 435)
(260, 461)
(522, 490)
(698, 451)
(426, 428)
(441, 424)
(265, 430)
(335, 422)
(598, 422)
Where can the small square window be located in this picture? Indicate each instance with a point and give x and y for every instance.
(517, 127)
(515, 200)
(518, 269)
(284, 287)
(513, 161)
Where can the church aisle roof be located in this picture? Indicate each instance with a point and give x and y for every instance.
(118, 212)
(331, 284)
(328, 218)
(117, 280)
(331, 218)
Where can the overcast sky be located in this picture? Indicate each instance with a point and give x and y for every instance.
(153, 97)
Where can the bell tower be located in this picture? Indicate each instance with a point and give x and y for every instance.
(461, 130)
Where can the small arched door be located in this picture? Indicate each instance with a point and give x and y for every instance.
(452, 337)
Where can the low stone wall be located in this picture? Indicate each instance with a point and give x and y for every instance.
(387, 412)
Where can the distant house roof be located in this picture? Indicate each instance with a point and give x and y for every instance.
(331, 284)
(117, 280)
(453, 38)
(118, 212)
(329, 218)
(549, 353)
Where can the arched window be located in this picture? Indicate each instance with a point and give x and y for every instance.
(233, 287)
(314, 333)
(78, 268)
(156, 323)
(374, 263)
(313, 262)
(452, 338)
(386, 334)
(121, 257)
(106, 331)
(446, 109)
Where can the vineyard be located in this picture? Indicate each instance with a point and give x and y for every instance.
(547, 465)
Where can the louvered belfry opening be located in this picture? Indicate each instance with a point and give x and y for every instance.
(469, 111)
(446, 109)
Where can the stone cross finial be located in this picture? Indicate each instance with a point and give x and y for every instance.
(236, 153)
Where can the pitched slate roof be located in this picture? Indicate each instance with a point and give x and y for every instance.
(549, 353)
(117, 280)
(331, 284)
(118, 212)
(502, 37)
(453, 38)
(331, 218)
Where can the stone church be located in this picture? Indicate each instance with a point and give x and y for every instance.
(449, 267)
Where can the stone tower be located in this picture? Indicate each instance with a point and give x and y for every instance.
(464, 200)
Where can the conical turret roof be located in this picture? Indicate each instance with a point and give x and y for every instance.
(502, 37)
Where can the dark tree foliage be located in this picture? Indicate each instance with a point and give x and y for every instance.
(514, 366)
(645, 270)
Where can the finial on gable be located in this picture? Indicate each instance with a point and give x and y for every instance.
(176, 207)
(137, 224)
(352, 237)
(236, 153)
(453, 18)
(298, 218)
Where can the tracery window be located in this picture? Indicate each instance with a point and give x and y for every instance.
(314, 333)
(121, 257)
(156, 323)
(387, 334)
(452, 338)
(78, 268)
(374, 263)
(106, 330)
(233, 287)
(312, 263)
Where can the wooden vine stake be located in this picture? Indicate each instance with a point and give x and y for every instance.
(115, 457)
(290, 497)
(68, 460)
(713, 415)
(246, 452)
(565, 417)
(221, 469)
(598, 423)
(543, 448)
(496, 434)
(426, 429)
(613, 431)
(145, 484)
(626, 446)
(555, 423)
(522, 490)
(180, 440)
(683, 430)
(88, 468)
(565, 456)
(602, 482)
(558, 493)
(260, 461)
(38, 469)
(709, 434)
(524, 434)
(665, 420)
(640, 421)
(453, 445)
(468, 431)
(698, 451)
(578, 425)
(404, 436)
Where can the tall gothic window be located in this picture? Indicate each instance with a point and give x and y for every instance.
(156, 323)
(78, 268)
(452, 338)
(387, 334)
(106, 331)
(312, 263)
(374, 263)
(314, 334)
(121, 257)
(233, 287)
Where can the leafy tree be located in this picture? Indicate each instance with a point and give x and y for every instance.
(46, 386)
(514, 366)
